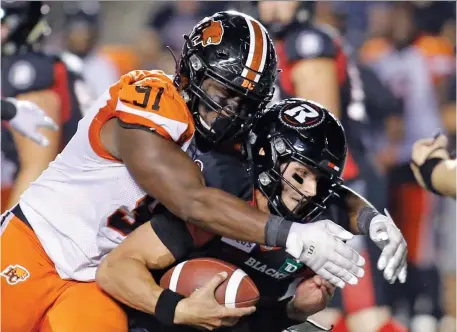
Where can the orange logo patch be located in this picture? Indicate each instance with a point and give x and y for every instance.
(15, 274)
(248, 85)
(211, 34)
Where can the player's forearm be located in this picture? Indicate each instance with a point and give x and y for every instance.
(130, 282)
(444, 178)
(226, 215)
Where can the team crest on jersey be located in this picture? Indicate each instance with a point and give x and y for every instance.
(305, 116)
(15, 274)
(211, 33)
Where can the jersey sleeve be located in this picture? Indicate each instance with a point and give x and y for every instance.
(309, 43)
(149, 99)
(173, 233)
(226, 172)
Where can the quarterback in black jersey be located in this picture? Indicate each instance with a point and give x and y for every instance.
(317, 65)
(296, 155)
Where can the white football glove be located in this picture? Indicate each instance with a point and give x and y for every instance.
(390, 240)
(320, 246)
(29, 118)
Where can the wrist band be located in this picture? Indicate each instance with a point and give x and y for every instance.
(364, 218)
(166, 306)
(8, 109)
(276, 231)
(426, 170)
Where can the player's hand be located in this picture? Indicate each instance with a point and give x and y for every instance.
(201, 309)
(29, 118)
(320, 246)
(390, 240)
(311, 296)
(425, 149)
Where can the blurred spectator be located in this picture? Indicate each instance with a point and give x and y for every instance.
(167, 26)
(413, 65)
(81, 32)
(175, 19)
(431, 16)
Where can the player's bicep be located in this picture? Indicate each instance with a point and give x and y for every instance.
(317, 79)
(159, 167)
(144, 245)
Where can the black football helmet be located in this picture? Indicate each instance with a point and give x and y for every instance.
(23, 25)
(297, 130)
(236, 51)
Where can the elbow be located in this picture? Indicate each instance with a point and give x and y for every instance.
(102, 275)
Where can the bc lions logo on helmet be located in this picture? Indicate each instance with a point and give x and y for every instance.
(14, 274)
(211, 34)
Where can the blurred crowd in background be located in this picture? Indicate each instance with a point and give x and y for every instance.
(409, 47)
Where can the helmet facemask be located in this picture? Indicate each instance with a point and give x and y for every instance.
(229, 119)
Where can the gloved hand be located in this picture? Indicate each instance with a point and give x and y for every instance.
(29, 118)
(320, 246)
(390, 240)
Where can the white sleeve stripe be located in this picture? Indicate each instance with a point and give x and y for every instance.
(174, 128)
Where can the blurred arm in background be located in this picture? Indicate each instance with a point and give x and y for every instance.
(27, 118)
(33, 159)
(432, 166)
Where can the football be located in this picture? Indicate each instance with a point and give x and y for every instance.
(237, 291)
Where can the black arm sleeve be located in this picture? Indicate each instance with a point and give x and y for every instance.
(173, 233)
(8, 110)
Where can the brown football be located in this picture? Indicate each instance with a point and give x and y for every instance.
(237, 291)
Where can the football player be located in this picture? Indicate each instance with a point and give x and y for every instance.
(27, 118)
(316, 66)
(298, 159)
(50, 81)
(128, 152)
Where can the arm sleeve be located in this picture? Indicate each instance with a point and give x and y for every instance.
(173, 233)
(309, 43)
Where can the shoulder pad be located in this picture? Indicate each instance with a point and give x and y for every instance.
(26, 73)
(226, 172)
(309, 43)
(150, 99)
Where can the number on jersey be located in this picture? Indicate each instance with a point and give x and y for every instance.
(125, 222)
(146, 90)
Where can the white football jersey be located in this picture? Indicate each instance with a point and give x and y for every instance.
(79, 205)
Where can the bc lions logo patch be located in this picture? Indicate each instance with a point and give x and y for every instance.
(211, 34)
(14, 274)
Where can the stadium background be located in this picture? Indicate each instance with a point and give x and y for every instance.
(113, 38)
